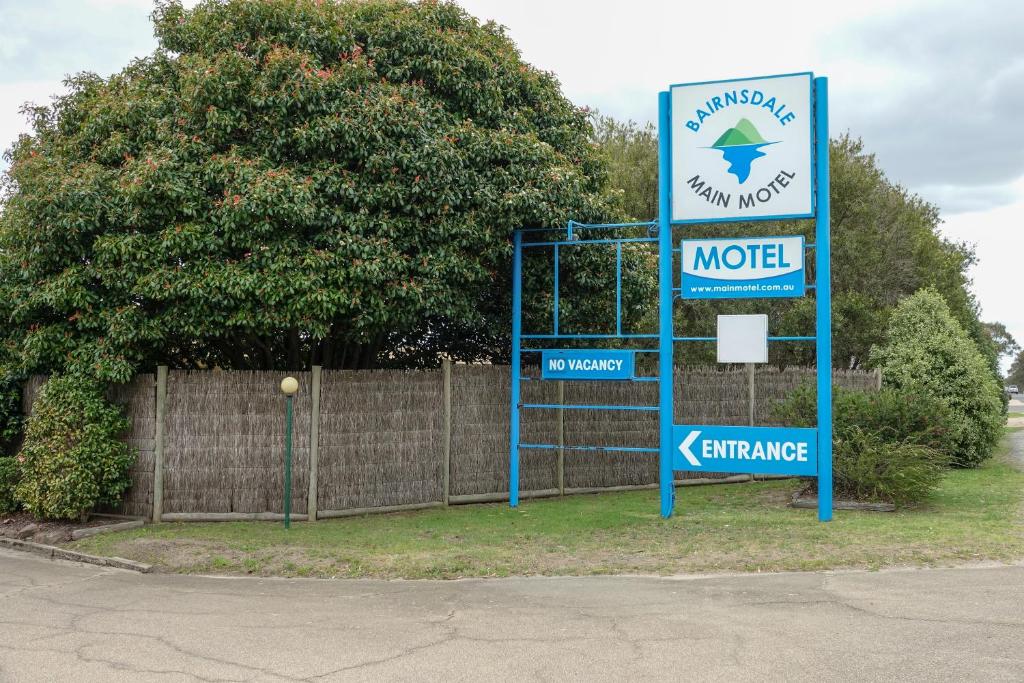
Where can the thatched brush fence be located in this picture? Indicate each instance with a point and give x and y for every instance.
(211, 443)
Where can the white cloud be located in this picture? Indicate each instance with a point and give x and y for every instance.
(998, 239)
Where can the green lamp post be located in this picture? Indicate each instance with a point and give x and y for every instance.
(289, 385)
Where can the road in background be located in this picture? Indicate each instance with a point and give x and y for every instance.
(64, 621)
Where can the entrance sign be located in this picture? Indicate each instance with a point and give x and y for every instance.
(741, 149)
(742, 339)
(592, 364)
(748, 450)
(745, 268)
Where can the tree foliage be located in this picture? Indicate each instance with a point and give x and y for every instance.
(631, 151)
(927, 350)
(283, 183)
(8, 482)
(1016, 373)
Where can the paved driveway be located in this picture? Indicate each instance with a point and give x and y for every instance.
(69, 622)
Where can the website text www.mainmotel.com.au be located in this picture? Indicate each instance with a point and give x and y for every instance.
(749, 288)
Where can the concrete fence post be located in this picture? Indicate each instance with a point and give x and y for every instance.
(878, 379)
(314, 442)
(446, 466)
(158, 444)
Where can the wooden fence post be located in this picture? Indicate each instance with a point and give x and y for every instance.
(750, 401)
(158, 444)
(750, 394)
(561, 439)
(314, 443)
(878, 379)
(446, 378)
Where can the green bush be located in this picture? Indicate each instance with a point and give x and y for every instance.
(928, 352)
(894, 415)
(8, 480)
(889, 445)
(72, 458)
(866, 466)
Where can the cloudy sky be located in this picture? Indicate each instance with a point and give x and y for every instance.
(934, 88)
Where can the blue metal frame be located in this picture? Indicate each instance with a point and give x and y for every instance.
(573, 238)
(783, 217)
(666, 300)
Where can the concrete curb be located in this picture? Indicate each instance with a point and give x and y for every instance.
(106, 528)
(55, 553)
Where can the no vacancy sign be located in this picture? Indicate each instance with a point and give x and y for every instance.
(741, 149)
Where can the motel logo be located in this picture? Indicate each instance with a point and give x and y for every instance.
(741, 150)
(739, 146)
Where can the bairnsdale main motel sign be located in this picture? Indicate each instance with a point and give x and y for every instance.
(735, 150)
(741, 150)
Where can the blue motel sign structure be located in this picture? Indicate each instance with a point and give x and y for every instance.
(771, 132)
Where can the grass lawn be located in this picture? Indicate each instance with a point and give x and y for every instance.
(975, 515)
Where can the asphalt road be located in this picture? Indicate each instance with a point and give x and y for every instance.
(67, 622)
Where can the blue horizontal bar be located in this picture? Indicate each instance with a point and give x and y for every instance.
(564, 406)
(564, 349)
(631, 379)
(588, 336)
(612, 226)
(574, 243)
(555, 447)
(711, 339)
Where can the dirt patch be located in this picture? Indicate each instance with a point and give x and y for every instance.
(24, 526)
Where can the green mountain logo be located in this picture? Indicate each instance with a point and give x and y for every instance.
(743, 133)
(739, 146)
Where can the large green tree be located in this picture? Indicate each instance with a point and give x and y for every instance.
(285, 183)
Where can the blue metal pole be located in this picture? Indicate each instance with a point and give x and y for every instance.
(665, 376)
(516, 369)
(823, 295)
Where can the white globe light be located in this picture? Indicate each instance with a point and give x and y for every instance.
(289, 385)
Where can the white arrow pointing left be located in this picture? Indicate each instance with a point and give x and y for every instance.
(684, 448)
